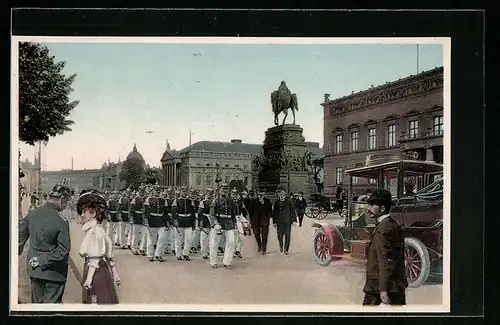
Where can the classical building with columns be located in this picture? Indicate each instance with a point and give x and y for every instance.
(195, 165)
(399, 119)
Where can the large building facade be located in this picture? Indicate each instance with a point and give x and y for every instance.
(196, 165)
(400, 119)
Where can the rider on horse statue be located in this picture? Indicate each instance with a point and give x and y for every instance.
(282, 100)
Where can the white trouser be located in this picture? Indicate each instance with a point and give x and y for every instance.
(144, 238)
(123, 233)
(136, 236)
(222, 241)
(112, 231)
(170, 239)
(196, 238)
(205, 241)
(156, 236)
(184, 235)
(228, 249)
(238, 241)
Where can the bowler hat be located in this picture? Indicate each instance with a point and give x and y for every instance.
(380, 197)
(60, 191)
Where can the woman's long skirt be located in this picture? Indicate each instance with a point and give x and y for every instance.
(103, 290)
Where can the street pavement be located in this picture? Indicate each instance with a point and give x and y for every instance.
(255, 279)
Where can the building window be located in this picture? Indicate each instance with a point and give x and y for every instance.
(237, 166)
(227, 165)
(355, 180)
(413, 129)
(198, 179)
(208, 165)
(437, 127)
(372, 181)
(355, 141)
(372, 138)
(338, 142)
(208, 179)
(391, 135)
(339, 175)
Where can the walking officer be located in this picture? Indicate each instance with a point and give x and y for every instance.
(223, 222)
(136, 212)
(49, 247)
(284, 216)
(204, 224)
(155, 220)
(183, 220)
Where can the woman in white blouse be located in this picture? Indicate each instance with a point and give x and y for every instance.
(99, 273)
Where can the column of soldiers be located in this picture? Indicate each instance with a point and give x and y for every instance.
(181, 222)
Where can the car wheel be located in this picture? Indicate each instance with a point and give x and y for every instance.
(321, 248)
(417, 262)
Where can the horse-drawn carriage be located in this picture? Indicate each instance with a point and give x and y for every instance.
(319, 206)
(417, 189)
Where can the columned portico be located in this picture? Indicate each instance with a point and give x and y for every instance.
(171, 163)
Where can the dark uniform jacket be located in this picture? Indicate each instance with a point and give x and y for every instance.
(260, 213)
(385, 266)
(123, 209)
(300, 205)
(49, 241)
(137, 210)
(203, 214)
(113, 210)
(284, 212)
(245, 209)
(155, 212)
(183, 213)
(223, 212)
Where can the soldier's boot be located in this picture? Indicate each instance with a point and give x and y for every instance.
(151, 259)
(238, 255)
(205, 257)
(143, 253)
(179, 258)
(135, 252)
(187, 258)
(159, 259)
(228, 267)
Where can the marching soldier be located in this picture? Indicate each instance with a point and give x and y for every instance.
(241, 221)
(184, 220)
(155, 220)
(169, 237)
(125, 222)
(196, 199)
(223, 221)
(204, 223)
(115, 226)
(136, 214)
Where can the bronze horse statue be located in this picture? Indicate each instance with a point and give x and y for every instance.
(282, 100)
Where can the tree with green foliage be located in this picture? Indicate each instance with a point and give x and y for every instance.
(44, 94)
(153, 175)
(133, 172)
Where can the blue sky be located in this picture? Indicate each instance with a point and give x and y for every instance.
(127, 89)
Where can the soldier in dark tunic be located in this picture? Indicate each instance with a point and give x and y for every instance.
(385, 266)
(124, 217)
(136, 213)
(204, 223)
(184, 221)
(169, 237)
(114, 228)
(284, 216)
(195, 242)
(156, 223)
(223, 222)
(49, 247)
(260, 213)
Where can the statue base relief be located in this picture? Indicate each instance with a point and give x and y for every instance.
(285, 155)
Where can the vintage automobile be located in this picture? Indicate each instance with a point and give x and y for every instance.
(417, 188)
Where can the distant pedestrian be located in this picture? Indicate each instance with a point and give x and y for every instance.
(385, 268)
(284, 216)
(49, 247)
(300, 206)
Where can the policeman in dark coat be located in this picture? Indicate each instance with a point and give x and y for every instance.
(49, 247)
(385, 267)
(284, 216)
(260, 211)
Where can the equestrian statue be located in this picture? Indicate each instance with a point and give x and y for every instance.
(282, 100)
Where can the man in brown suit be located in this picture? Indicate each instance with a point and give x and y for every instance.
(260, 211)
(385, 268)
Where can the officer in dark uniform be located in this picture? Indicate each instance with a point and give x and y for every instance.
(136, 214)
(49, 247)
(223, 222)
(156, 223)
(184, 221)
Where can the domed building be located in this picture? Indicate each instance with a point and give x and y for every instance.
(134, 154)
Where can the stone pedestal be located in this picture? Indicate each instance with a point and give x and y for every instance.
(285, 162)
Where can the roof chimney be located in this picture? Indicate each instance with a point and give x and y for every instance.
(236, 141)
